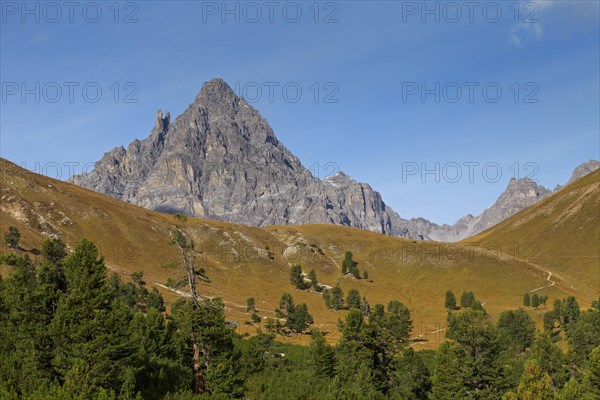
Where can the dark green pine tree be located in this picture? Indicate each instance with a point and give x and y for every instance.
(347, 263)
(447, 380)
(550, 358)
(250, 305)
(25, 312)
(216, 354)
(159, 367)
(337, 298)
(353, 299)
(327, 298)
(399, 324)
(286, 304)
(551, 321)
(527, 300)
(592, 374)
(12, 237)
(570, 311)
(450, 302)
(312, 275)
(299, 319)
(535, 301)
(90, 328)
(480, 351)
(582, 335)
(467, 299)
(296, 277)
(51, 271)
(517, 329)
(351, 350)
(355, 271)
(478, 306)
(155, 300)
(411, 378)
(322, 356)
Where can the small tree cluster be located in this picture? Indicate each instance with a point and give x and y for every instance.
(297, 279)
(297, 318)
(349, 266)
(468, 300)
(334, 299)
(563, 314)
(534, 300)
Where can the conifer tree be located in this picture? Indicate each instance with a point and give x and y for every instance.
(322, 356)
(353, 299)
(467, 299)
(89, 329)
(534, 384)
(447, 380)
(527, 300)
(327, 298)
(250, 305)
(12, 237)
(180, 238)
(296, 278)
(535, 301)
(450, 302)
(411, 378)
(337, 298)
(312, 275)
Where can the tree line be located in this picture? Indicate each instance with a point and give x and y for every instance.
(68, 330)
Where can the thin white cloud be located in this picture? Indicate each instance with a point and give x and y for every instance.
(525, 31)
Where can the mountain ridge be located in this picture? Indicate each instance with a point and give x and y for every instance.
(220, 159)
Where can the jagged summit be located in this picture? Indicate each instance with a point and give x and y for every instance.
(220, 159)
(216, 91)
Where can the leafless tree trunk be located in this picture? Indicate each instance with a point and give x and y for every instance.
(186, 248)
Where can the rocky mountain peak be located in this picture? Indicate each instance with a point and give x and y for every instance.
(339, 178)
(584, 169)
(216, 94)
(220, 159)
(523, 187)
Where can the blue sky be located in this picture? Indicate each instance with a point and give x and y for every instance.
(374, 58)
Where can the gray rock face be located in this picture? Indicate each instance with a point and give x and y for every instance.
(519, 194)
(584, 169)
(221, 160)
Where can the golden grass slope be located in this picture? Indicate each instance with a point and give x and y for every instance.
(560, 234)
(244, 261)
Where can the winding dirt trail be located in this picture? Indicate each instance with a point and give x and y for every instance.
(552, 283)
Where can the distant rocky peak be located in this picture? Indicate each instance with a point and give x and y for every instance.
(524, 184)
(584, 169)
